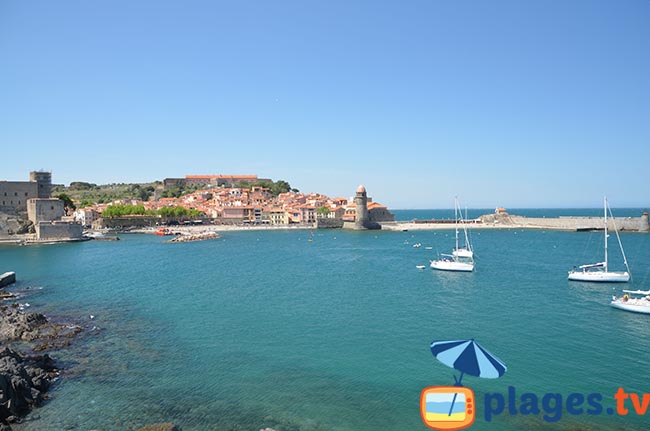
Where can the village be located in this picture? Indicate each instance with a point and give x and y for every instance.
(28, 209)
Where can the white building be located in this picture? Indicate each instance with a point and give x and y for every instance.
(85, 216)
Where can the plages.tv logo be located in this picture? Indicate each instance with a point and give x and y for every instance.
(454, 407)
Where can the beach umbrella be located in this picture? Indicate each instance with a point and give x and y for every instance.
(468, 357)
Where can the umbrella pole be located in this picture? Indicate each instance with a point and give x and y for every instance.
(453, 401)
(459, 380)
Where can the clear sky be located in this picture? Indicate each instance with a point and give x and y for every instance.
(502, 102)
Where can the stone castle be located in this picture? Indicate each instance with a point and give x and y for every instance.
(27, 206)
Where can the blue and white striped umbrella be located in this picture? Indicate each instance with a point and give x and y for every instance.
(468, 357)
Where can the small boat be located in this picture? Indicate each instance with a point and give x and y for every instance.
(599, 272)
(94, 234)
(633, 304)
(163, 231)
(417, 245)
(420, 266)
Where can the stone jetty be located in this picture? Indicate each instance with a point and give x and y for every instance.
(503, 220)
(195, 237)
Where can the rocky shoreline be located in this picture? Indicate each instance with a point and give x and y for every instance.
(25, 379)
(27, 371)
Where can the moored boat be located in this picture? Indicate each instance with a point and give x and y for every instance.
(448, 262)
(462, 258)
(633, 304)
(163, 231)
(599, 272)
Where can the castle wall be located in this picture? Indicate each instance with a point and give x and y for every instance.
(329, 223)
(376, 215)
(44, 210)
(14, 195)
(58, 231)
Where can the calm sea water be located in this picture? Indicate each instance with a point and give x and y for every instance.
(268, 329)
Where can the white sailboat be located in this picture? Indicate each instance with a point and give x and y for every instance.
(599, 272)
(635, 305)
(462, 258)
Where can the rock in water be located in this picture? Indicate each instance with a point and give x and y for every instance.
(23, 380)
(167, 426)
(16, 325)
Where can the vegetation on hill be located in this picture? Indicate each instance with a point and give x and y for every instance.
(83, 194)
(178, 191)
(276, 187)
(86, 194)
(127, 210)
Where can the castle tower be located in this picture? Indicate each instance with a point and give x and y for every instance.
(43, 181)
(361, 208)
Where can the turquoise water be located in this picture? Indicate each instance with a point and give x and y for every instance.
(267, 329)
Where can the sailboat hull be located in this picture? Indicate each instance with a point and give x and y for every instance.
(600, 276)
(634, 305)
(463, 252)
(446, 265)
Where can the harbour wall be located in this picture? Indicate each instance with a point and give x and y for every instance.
(58, 231)
(634, 224)
(329, 223)
(507, 221)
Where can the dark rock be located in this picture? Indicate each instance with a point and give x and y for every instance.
(167, 426)
(17, 325)
(22, 383)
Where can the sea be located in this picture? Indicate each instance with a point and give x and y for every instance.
(284, 330)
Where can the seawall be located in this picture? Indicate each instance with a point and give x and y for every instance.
(507, 221)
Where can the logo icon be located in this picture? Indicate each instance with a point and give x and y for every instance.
(454, 407)
(447, 407)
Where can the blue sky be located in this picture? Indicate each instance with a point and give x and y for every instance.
(509, 103)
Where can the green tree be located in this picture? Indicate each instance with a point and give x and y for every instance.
(80, 185)
(67, 201)
(280, 186)
(322, 211)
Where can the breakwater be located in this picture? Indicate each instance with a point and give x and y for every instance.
(504, 220)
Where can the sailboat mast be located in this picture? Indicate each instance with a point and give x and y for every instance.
(456, 217)
(467, 244)
(605, 207)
